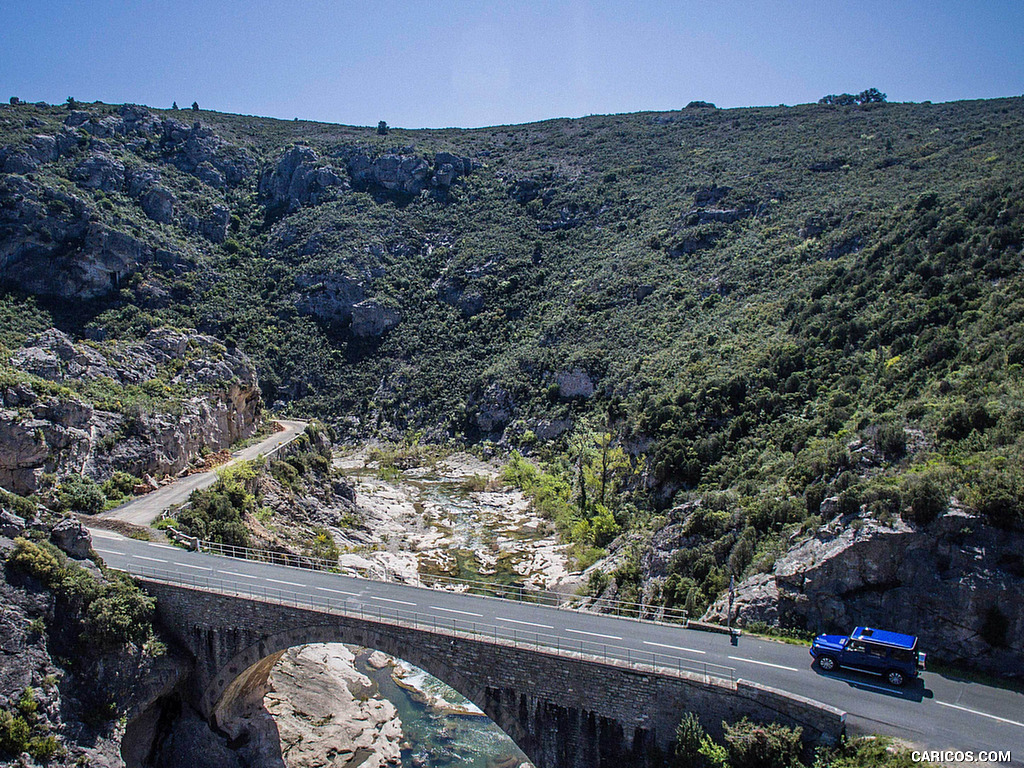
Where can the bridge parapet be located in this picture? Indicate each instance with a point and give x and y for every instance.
(563, 707)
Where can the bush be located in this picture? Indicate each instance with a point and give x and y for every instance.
(120, 485)
(925, 497)
(78, 493)
(121, 614)
(14, 733)
(999, 497)
(751, 745)
(690, 736)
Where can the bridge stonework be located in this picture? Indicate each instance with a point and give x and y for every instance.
(563, 712)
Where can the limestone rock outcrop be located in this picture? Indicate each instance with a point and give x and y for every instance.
(372, 318)
(946, 582)
(406, 175)
(41, 432)
(328, 297)
(299, 178)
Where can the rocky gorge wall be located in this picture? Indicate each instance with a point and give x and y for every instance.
(952, 582)
(145, 408)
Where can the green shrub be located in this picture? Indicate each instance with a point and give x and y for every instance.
(120, 485)
(925, 497)
(120, 614)
(752, 745)
(14, 733)
(79, 493)
(690, 735)
(999, 497)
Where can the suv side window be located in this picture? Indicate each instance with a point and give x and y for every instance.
(876, 651)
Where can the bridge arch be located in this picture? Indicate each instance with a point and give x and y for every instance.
(239, 687)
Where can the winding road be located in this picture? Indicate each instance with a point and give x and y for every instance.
(143, 510)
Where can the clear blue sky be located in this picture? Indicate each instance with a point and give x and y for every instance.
(437, 63)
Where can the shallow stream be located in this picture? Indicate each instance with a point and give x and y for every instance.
(437, 732)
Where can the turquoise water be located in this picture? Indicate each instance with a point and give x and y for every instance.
(436, 738)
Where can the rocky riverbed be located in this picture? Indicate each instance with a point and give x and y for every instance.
(451, 517)
(335, 706)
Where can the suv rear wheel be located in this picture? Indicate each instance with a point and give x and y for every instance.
(895, 677)
(827, 663)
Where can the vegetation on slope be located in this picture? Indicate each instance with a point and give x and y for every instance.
(763, 308)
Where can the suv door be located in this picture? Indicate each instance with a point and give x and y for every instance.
(855, 654)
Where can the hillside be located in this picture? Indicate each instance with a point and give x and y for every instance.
(777, 317)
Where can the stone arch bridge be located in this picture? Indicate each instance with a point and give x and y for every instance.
(563, 709)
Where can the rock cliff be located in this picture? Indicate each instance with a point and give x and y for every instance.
(65, 691)
(946, 582)
(145, 407)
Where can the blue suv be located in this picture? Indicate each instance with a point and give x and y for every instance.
(890, 654)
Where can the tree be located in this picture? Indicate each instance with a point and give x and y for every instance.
(15, 101)
(195, 106)
(382, 128)
(870, 96)
(839, 100)
(71, 103)
(174, 105)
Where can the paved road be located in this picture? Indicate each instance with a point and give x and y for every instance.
(143, 510)
(937, 713)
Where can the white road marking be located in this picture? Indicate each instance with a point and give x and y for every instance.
(452, 610)
(674, 647)
(338, 591)
(104, 535)
(527, 623)
(983, 714)
(289, 583)
(154, 559)
(242, 575)
(764, 663)
(859, 684)
(389, 600)
(197, 567)
(166, 546)
(593, 634)
(106, 551)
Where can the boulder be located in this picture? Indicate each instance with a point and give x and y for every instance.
(11, 525)
(158, 203)
(72, 538)
(100, 171)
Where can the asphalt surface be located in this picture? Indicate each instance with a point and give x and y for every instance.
(143, 510)
(935, 712)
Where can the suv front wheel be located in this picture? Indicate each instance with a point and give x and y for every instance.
(827, 663)
(895, 677)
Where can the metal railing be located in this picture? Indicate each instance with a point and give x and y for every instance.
(607, 653)
(517, 592)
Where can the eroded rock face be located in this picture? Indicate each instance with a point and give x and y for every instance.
(299, 178)
(403, 175)
(494, 408)
(51, 244)
(946, 582)
(574, 383)
(328, 297)
(372, 318)
(45, 433)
